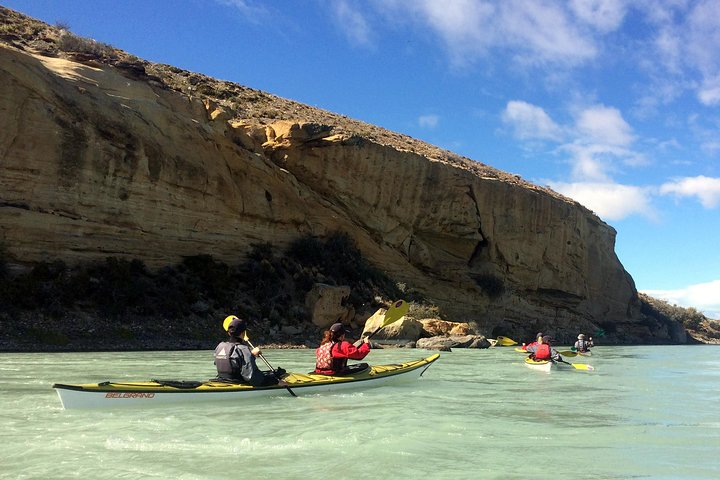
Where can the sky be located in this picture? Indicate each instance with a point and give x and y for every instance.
(614, 103)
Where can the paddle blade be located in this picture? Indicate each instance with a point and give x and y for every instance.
(226, 322)
(506, 342)
(583, 366)
(568, 353)
(398, 310)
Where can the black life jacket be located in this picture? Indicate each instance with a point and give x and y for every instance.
(226, 369)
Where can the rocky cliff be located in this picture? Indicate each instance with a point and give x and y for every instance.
(103, 154)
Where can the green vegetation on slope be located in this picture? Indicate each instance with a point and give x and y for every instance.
(267, 288)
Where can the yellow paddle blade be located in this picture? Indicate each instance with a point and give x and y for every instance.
(506, 342)
(226, 322)
(583, 366)
(568, 353)
(396, 311)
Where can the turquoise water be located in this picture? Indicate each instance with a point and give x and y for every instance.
(646, 412)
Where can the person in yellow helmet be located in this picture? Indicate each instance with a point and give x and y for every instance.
(235, 358)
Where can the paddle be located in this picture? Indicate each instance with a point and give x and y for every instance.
(245, 337)
(506, 342)
(579, 366)
(396, 311)
(568, 353)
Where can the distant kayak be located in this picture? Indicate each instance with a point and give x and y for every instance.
(521, 350)
(548, 366)
(156, 392)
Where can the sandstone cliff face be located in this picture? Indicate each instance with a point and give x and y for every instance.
(97, 162)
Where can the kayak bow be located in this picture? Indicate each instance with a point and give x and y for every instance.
(156, 392)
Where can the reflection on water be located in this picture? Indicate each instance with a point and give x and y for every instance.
(647, 412)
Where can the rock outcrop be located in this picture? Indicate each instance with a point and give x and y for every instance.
(105, 157)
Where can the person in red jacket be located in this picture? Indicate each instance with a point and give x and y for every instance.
(538, 338)
(334, 351)
(544, 351)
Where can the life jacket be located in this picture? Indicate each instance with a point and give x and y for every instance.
(225, 369)
(325, 362)
(542, 352)
(581, 346)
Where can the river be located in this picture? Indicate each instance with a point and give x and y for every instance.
(644, 412)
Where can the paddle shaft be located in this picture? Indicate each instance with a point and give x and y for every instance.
(269, 366)
(360, 342)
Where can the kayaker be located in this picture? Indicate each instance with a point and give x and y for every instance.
(581, 346)
(235, 360)
(544, 351)
(334, 351)
(538, 338)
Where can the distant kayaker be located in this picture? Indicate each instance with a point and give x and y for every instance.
(235, 360)
(581, 346)
(544, 351)
(334, 351)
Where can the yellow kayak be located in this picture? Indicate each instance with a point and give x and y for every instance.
(156, 392)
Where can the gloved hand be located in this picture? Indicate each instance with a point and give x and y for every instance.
(279, 372)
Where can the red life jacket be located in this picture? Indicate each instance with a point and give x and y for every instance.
(325, 362)
(542, 352)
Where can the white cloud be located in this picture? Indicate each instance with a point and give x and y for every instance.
(686, 43)
(604, 125)
(589, 162)
(544, 30)
(703, 296)
(709, 93)
(703, 36)
(604, 15)
(707, 189)
(250, 10)
(466, 26)
(530, 121)
(537, 31)
(610, 201)
(428, 121)
(601, 138)
(352, 23)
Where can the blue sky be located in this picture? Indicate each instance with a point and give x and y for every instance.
(615, 103)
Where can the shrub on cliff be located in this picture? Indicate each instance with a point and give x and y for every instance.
(264, 286)
(72, 43)
(341, 263)
(694, 321)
